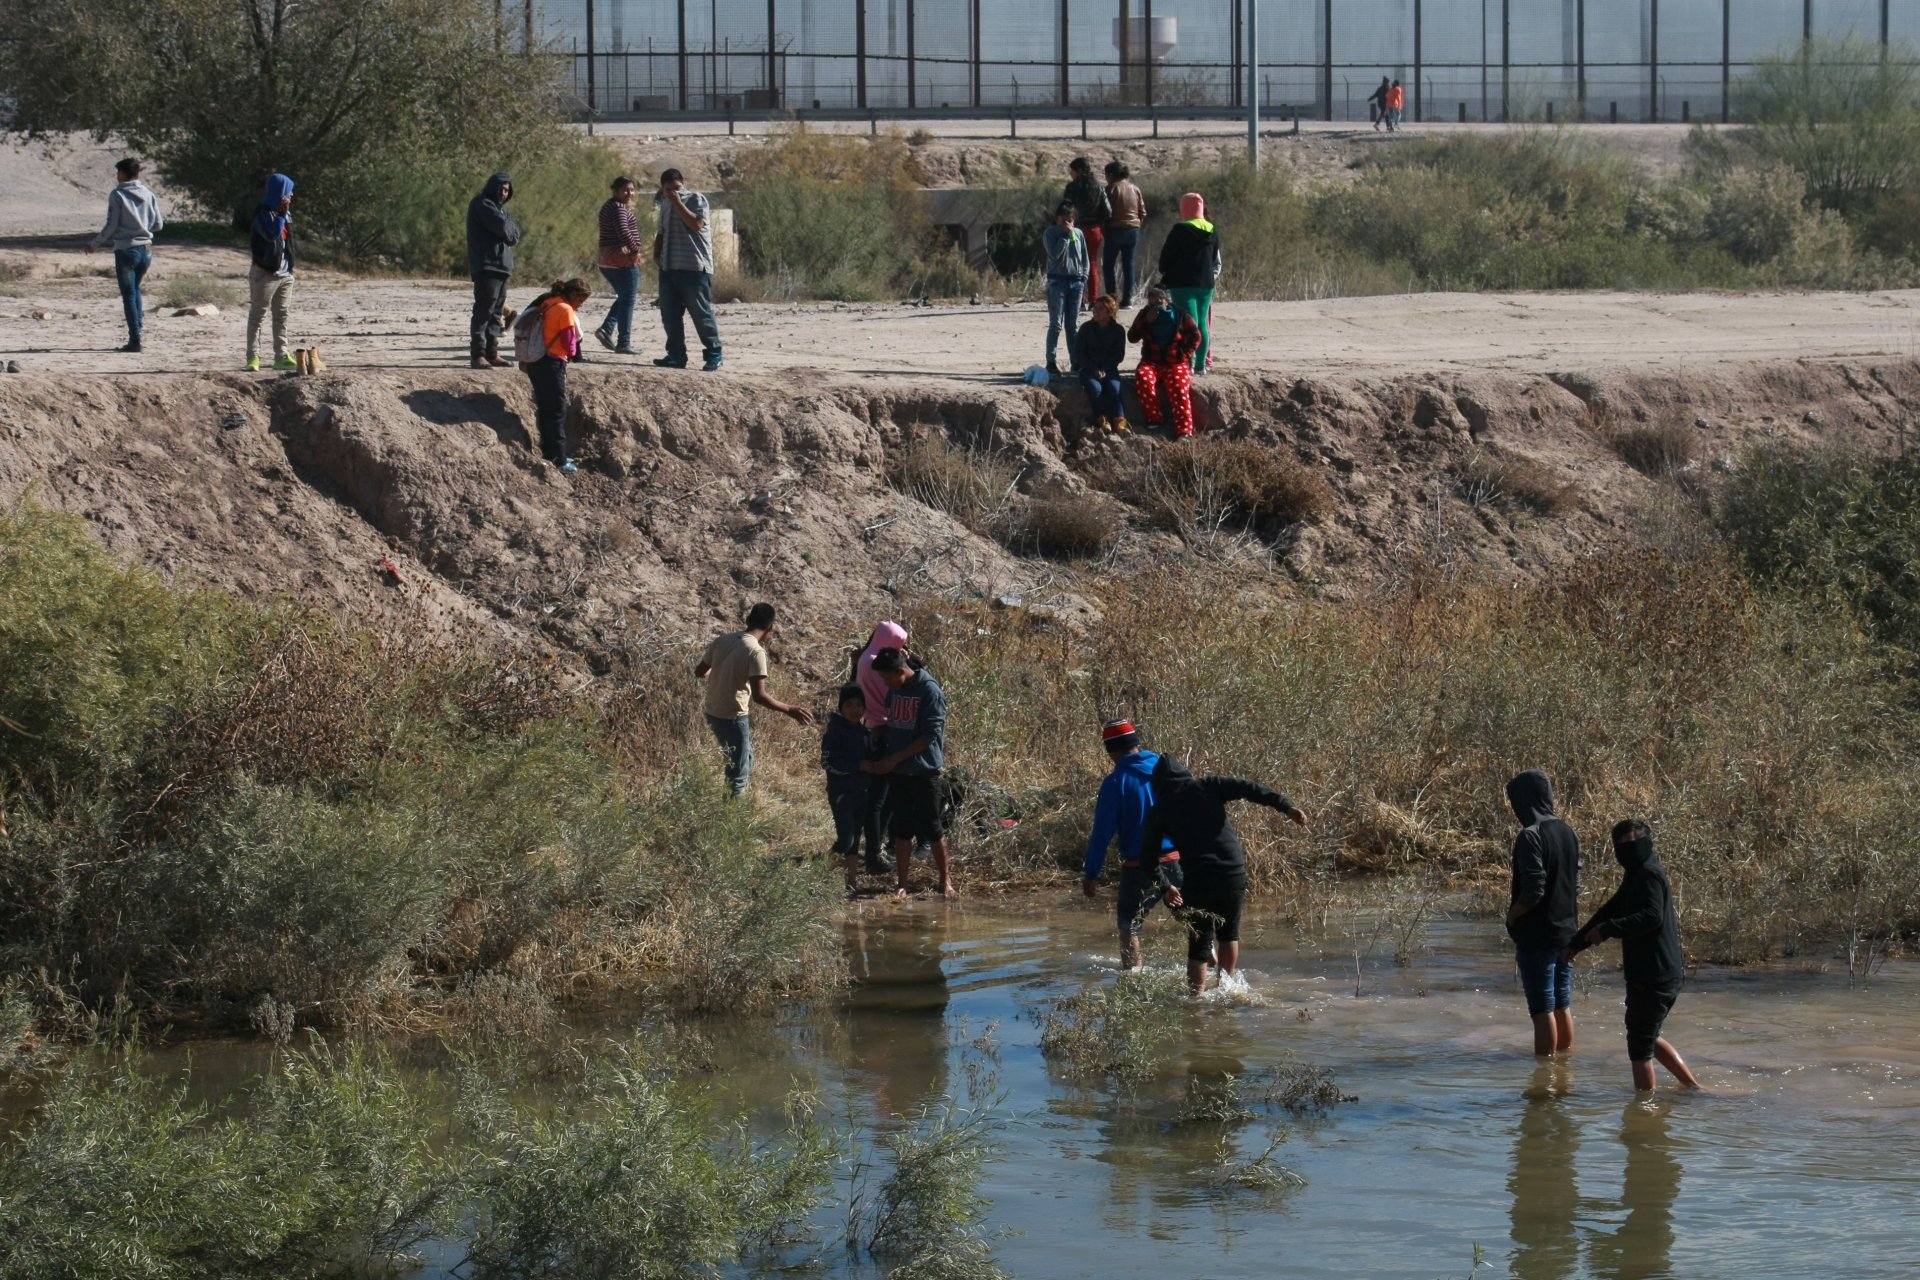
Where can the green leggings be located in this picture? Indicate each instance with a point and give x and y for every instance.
(1197, 303)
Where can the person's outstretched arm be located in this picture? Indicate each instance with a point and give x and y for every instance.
(1230, 788)
(758, 684)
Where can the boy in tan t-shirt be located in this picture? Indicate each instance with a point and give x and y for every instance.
(735, 669)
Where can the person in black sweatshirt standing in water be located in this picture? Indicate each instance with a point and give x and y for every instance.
(1640, 913)
(1544, 910)
(1191, 814)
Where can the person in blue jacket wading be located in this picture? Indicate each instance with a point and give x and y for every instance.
(1126, 796)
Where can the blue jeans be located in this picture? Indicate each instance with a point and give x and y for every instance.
(1063, 310)
(683, 292)
(1122, 245)
(626, 286)
(736, 742)
(1105, 394)
(1546, 978)
(129, 265)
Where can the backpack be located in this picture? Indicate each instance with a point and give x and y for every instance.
(529, 335)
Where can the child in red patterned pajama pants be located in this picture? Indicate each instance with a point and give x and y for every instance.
(1167, 341)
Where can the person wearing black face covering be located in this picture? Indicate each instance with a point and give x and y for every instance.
(1640, 913)
(1543, 911)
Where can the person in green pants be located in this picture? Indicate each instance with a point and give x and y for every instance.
(1189, 266)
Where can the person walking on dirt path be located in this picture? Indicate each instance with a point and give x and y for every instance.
(1543, 910)
(1126, 798)
(735, 669)
(1120, 238)
(1190, 814)
(1396, 103)
(683, 248)
(1088, 196)
(491, 235)
(1167, 342)
(270, 277)
(1377, 104)
(133, 218)
(1189, 266)
(1102, 349)
(1641, 914)
(888, 635)
(556, 313)
(916, 754)
(1066, 251)
(619, 260)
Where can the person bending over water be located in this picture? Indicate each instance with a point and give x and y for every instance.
(1543, 910)
(1126, 798)
(1191, 814)
(1640, 913)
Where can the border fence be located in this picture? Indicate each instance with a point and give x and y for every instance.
(1624, 60)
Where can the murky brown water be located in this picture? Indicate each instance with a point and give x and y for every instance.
(1801, 1159)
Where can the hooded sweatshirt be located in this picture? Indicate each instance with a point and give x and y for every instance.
(1191, 814)
(1126, 798)
(918, 710)
(491, 230)
(1546, 866)
(843, 746)
(1089, 200)
(888, 635)
(1066, 252)
(1640, 913)
(271, 231)
(133, 216)
(1190, 256)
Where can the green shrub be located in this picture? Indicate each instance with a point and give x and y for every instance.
(1067, 526)
(925, 1220)
(1122, 1029)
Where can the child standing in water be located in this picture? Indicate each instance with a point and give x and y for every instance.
(1543, 910)
(1640, 913)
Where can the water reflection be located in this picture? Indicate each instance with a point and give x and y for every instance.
(896, 1026)
(1546, 1147)
(1642, 1247)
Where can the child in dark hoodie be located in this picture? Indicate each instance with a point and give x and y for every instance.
(270, 277)
(843, 749)
(1190, 814)
(1126, 798)
(1640, 913)
(1544, 910)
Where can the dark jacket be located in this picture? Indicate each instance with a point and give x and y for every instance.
(1101, 347)
(1165, 337)
(1546, 866)
(1190, 257)
(1378, 98)
(1088, 197)
(1640, 913)
(491, 230)
(1192, 813)
(916, 710)
(844, 745)
(270, 233)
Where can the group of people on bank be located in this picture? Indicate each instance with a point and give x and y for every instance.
(883, 753)
(1098, 225)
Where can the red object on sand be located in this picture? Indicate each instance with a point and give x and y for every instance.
(386, 565)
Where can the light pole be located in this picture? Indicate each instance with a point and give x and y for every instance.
(1253, 83)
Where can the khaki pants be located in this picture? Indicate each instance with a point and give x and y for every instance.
(266, 290)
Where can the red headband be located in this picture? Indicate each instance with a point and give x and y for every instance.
(1118, 729)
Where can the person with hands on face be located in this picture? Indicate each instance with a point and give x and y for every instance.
(1126, 798)
(916, 731)
(1167, 342)
(1191, 814)
(683, 250)
(735, 669)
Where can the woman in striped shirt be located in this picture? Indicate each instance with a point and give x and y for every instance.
(619, 260)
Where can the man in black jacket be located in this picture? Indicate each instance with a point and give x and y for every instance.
(491, 235)
(1640, 913)
(1191, 813)
(1544, 910)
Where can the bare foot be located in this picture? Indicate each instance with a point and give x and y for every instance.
(900, 894)
(948, 891)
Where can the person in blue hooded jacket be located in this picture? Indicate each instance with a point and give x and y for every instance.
(1126, 797)
(270, 278)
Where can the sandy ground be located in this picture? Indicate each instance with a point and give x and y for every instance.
(65, 317)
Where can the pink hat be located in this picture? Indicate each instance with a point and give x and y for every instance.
(1192, 206)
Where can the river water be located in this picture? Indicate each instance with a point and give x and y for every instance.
(1802, 1158)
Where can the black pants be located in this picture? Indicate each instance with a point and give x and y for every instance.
(549, 378)
(489, 299)
(847, 800)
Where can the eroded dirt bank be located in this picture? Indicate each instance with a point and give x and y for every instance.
(699, 494)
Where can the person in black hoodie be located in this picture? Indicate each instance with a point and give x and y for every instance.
(843, 750)
(1640, 913)
(1191, 814)
(491, 235)
(1544, 910)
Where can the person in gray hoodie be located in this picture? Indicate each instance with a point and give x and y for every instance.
(916, 740)
(491, 235)
(133, 217)
(1066, 251)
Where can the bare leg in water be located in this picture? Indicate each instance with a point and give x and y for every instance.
(1552, 1033)
(1670, 1059)
(903, 859)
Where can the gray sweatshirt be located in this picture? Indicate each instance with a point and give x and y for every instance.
(133, 216)
(1066, 252)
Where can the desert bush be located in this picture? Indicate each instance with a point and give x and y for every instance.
(1067, 525)
(194, 288)
(1515, 481)
(970, 484)
(1123, 1029)
(924, 1220)
(1218, 481)
(1659, 449)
